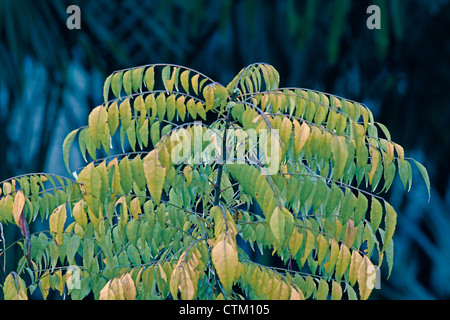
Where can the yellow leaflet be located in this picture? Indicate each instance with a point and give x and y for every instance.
(149, 78)
(295, 241)
(155, 175)
(18, 204)
(127, 84)
(113, 117)
(116, 83)
(136, 78)
(14, 288)
(376, 213)
(366, 278)
(277, 223)
(225, 259)
(56, 222)
(286, 130)
(296, 294)
(208, 94)
(90, 184)
(322, 245)
(301, 135)
(181, 107)
(355, 263)
(334, 254)
(309, 245)
(336, 291)
(375, 155)
(97, 123)
(135, 208)
(184, 77)
(342, 262)
(340, 154)
(125, 113)
(79, 214)
(390, 222)
(194, 82)
(129, 289)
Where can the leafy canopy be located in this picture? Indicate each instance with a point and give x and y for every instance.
(186, 177)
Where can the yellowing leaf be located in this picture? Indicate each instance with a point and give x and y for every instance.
(185, 277)
(18, 204)
(296, 294)
(342, 262)
(129, 289)
(376, 214)
(113, 290)
(90, 185)
(155, 175)
(334, 255)
(277, 223)
(149, 78)
(208, 94)
(286, 130)
(79, 214)
(366, 278)
(340, 154)
(301, 135)
(184, 77)
(56, 222)
(106, 293)
(113, 118)
(181, 107)
(375, 159)
(295, 241)
(309, 246)
(125, 113)
(135, 208)
(194, 82)
(322, 245)
(336, 291)
(355, 263)
(136, 78)
(390, 221)
(187, 171)
(225, 259)
(14, 288)
(116, 83)
(97, 124)
(127, 83)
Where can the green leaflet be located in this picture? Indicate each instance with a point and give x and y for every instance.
(127, 82)
(125, 113)
(90, 185)
(67, 144)
(116, 83)
(340, 154)
(136, 78)
(426, 178)
(390, 221)
(106, 87)
(376, 214)
(126, 176)
(149, 78)
(277, 224)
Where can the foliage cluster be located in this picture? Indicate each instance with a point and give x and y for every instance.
(136, 224)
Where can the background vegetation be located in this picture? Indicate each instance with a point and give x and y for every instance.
(401, 72)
